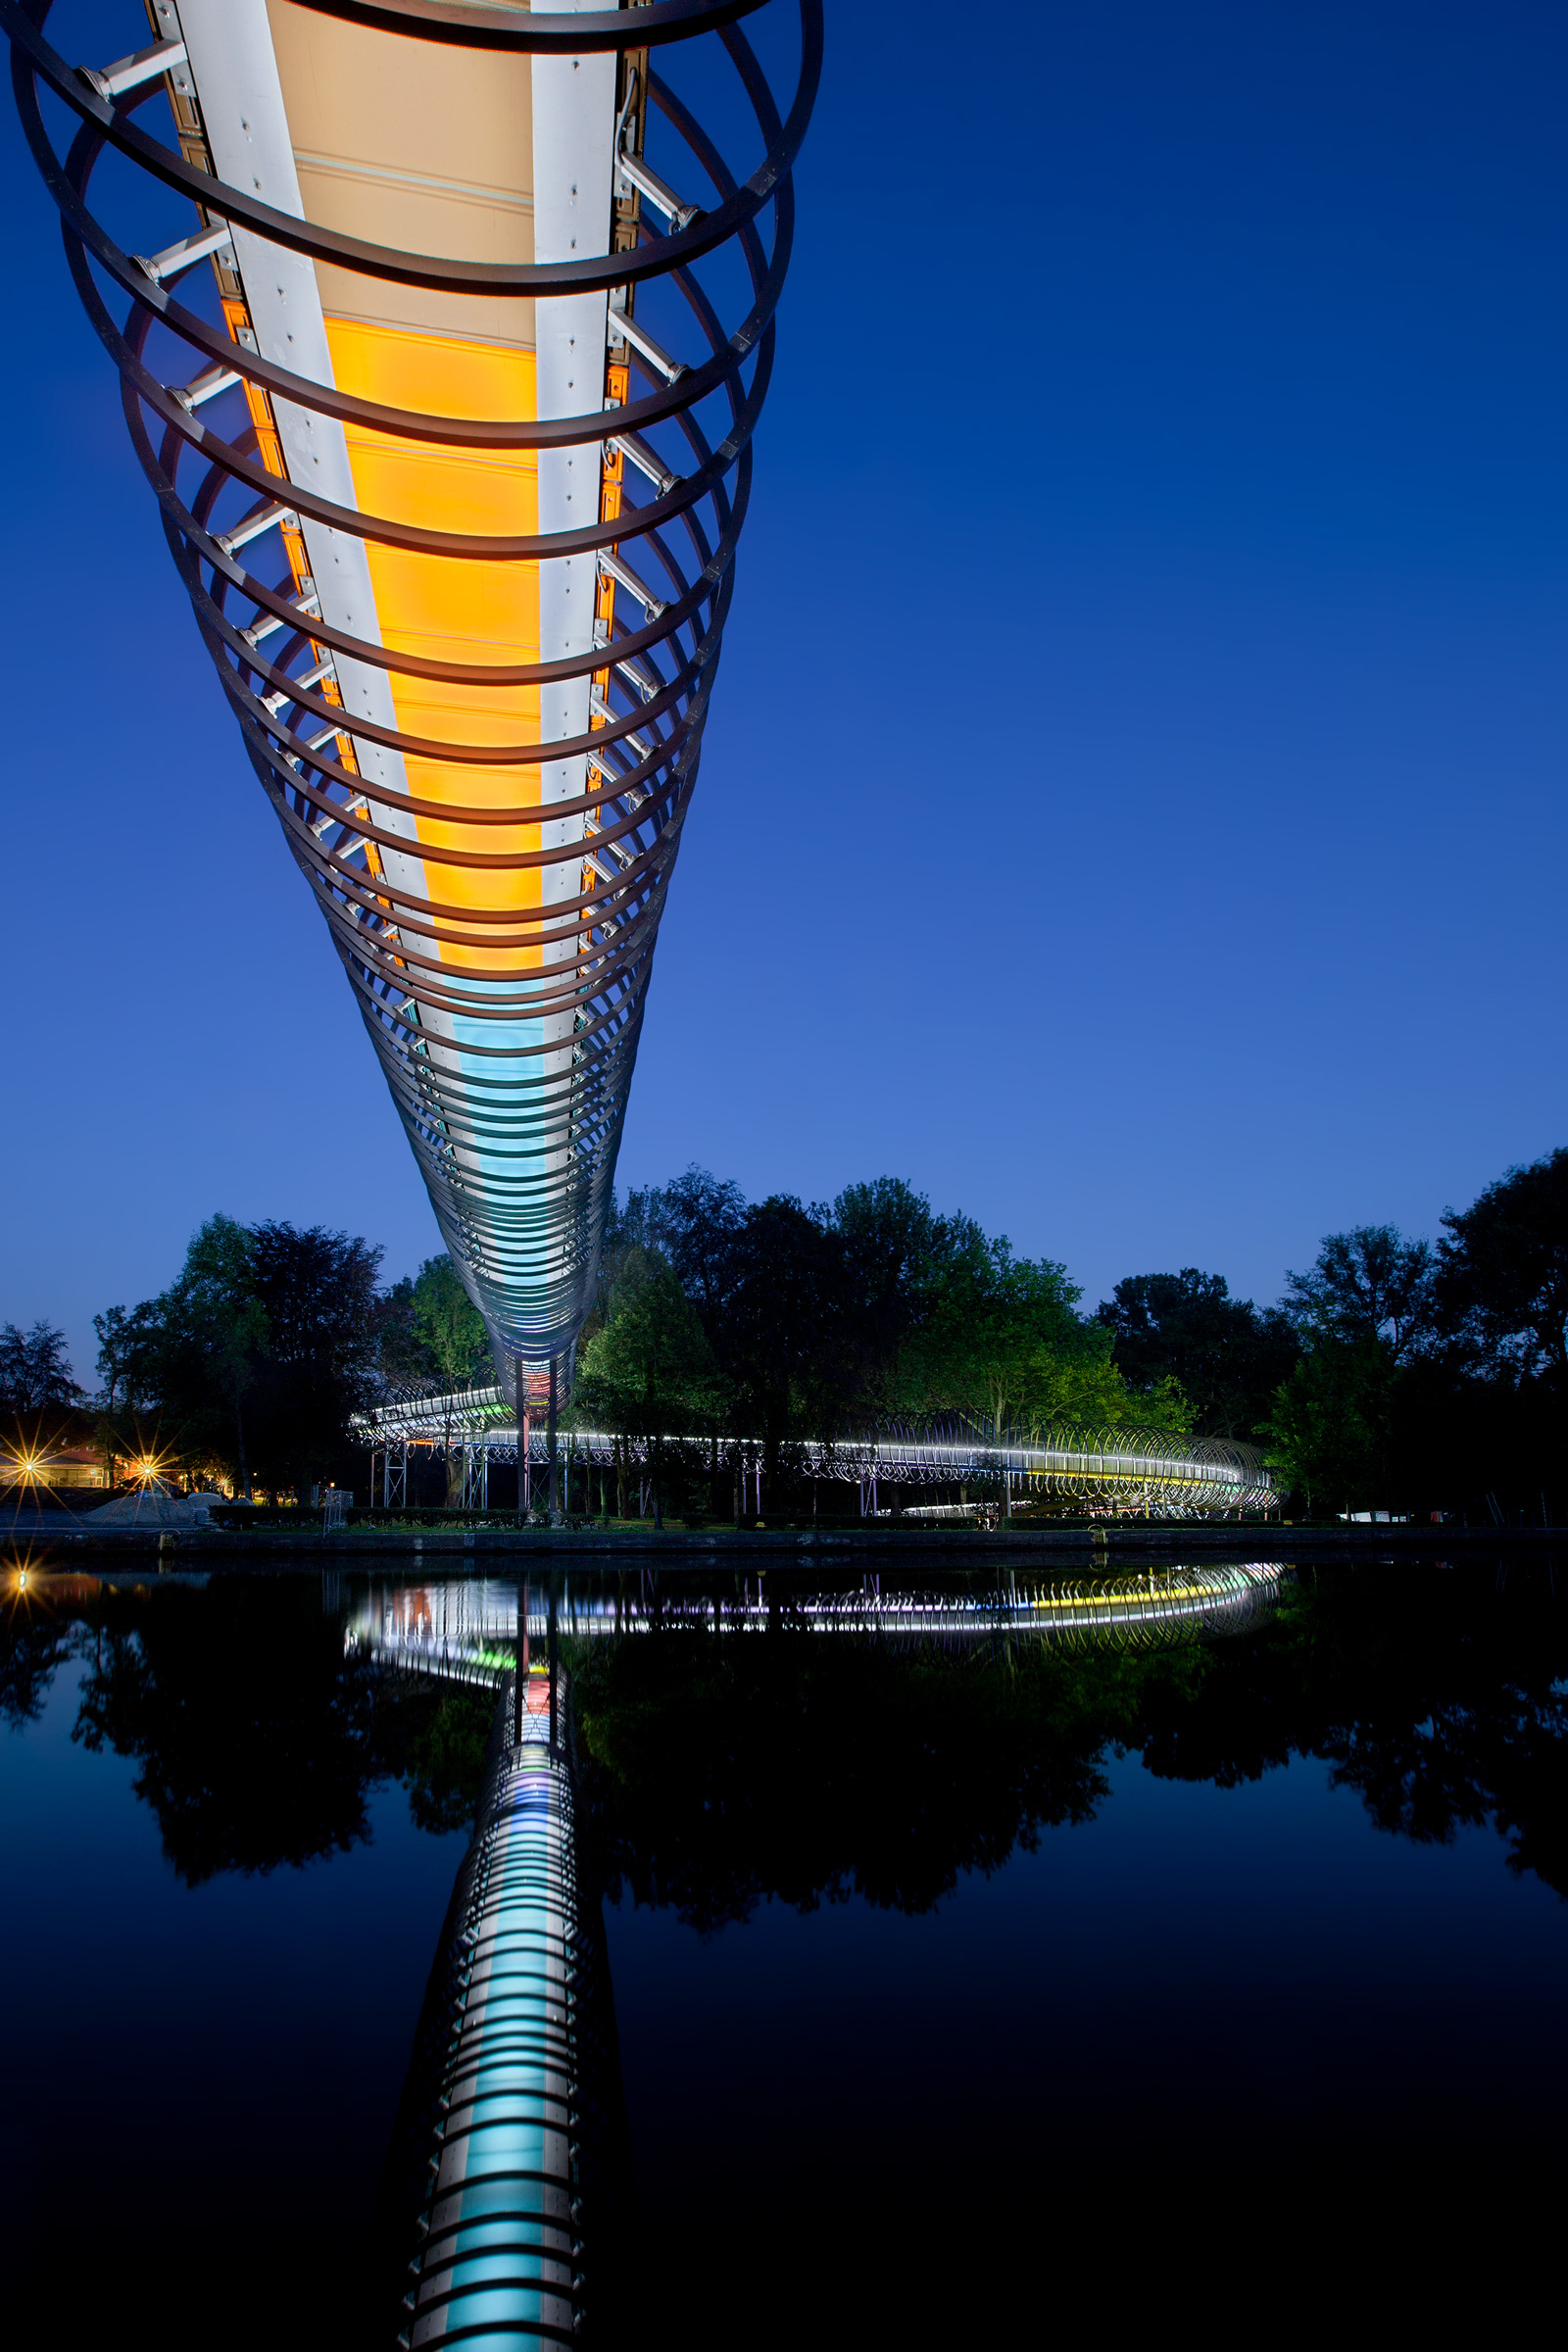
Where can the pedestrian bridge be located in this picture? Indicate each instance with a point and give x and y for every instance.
(1127, 1471)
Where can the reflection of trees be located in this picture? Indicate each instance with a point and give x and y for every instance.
(1442, 1699)
(722, 1770)
(34, 1647)
(258, 1738)
(444, 1760)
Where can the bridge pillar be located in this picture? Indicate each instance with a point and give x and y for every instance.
(550, 1443)
(524, 1483)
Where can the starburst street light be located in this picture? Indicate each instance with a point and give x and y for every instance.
(25, 1465)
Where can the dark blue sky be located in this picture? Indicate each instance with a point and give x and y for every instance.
(1133, 803)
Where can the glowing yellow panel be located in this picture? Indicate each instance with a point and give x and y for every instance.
(447, 609)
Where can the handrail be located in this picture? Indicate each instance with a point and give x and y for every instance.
(1203, 1472)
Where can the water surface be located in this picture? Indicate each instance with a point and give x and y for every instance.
(917, 1943)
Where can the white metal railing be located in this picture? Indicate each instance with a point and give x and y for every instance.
(1129, 1467)
(468, 1629)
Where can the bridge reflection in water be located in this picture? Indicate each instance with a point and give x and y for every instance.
(507, 2179)
(506, 2061)
(468, 1628)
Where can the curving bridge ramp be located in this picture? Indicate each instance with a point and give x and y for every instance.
(1116, 1470)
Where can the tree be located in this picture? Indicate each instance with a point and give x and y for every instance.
(224, 1327)
(893, 1249)
(1502, 1281)
(1002, 1344)
(1076, 1383)
(449, 1344)
(693, 1222)
(1333, 1425)
(999, 1335)
(132, 1367)
(801, 1306)
(317, 1289)
(189, 1358)
(1226, 1358)
(1368, 1285)
(34, 1369)
(779, 1331)
(402, 1359)
(448, 1326)
(124, 1346)
(649, 1372)
(256, 1355)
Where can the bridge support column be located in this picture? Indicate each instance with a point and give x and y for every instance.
(525, 1442)
(555, 1720)
(519, 1680)
(550, 1443)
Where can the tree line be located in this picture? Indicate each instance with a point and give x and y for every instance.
(253, 1362)
(1393, 1374)
(775, 1323)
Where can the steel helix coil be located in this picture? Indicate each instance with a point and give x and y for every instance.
(376, 461)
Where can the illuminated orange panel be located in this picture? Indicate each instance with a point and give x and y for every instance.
(449, 609)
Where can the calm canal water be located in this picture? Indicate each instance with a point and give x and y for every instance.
(929, 1946)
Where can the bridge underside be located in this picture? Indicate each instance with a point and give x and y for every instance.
(447, 393)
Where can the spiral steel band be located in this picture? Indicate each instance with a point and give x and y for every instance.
(1164, 1473)
(499, 2206)
(494, 877)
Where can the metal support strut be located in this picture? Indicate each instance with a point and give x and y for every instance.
(550, 1442)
